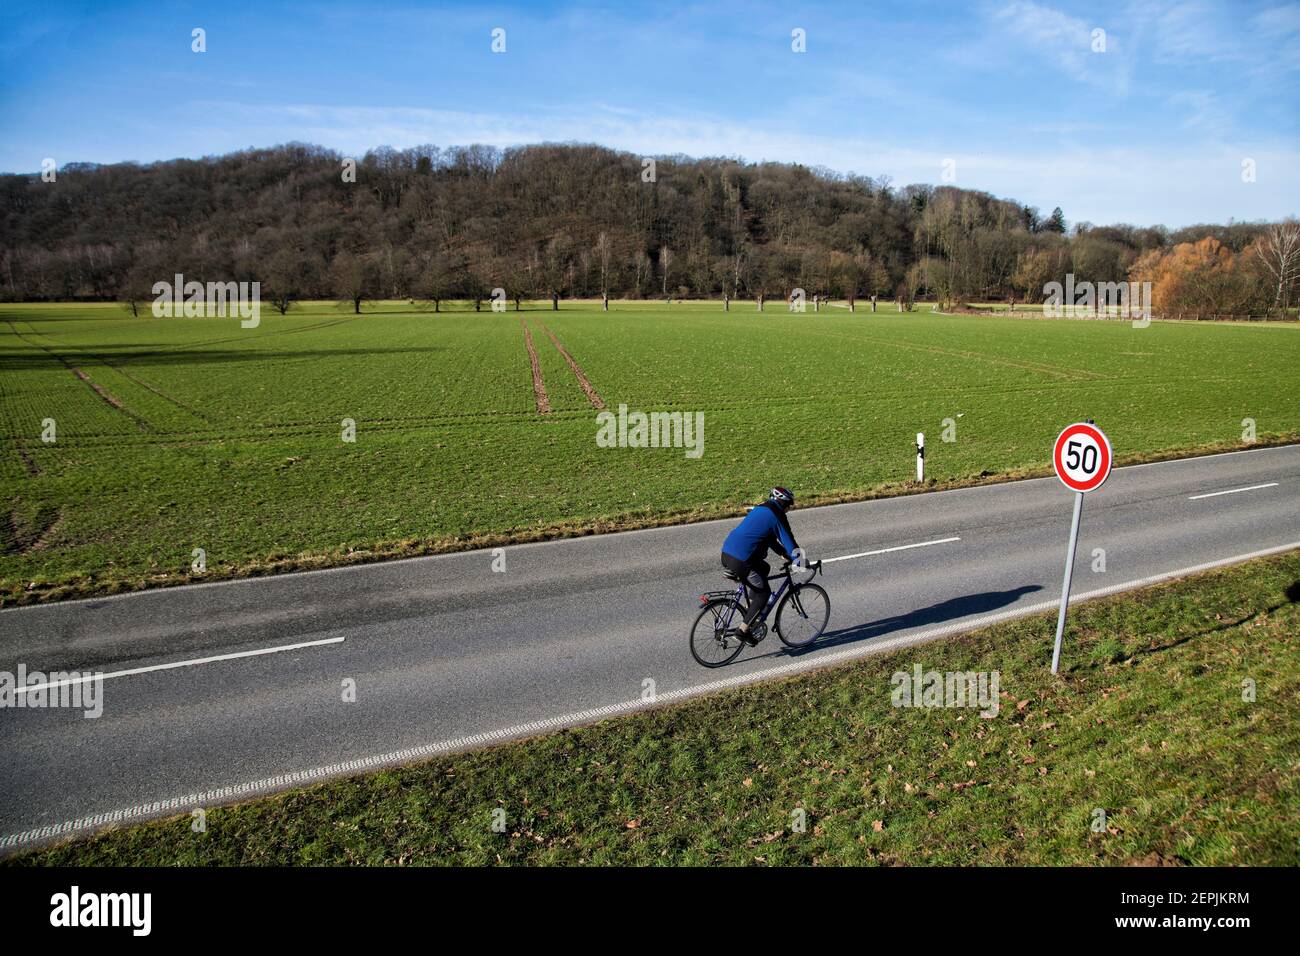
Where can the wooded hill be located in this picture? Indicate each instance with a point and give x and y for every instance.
(567, 220)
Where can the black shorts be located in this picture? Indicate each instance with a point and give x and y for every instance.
(753, 573)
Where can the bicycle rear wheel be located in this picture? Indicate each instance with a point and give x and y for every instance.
(803, 614)
(713, 642)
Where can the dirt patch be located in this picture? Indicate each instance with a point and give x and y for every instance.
(1154, 859)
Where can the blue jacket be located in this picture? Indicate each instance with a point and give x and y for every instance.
(764, 527)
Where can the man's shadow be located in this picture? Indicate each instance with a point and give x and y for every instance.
(950, 610)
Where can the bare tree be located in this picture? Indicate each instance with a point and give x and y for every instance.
(665, 263)
(351, 279)
(282, 279)
(1279, 251)
(557, 267)
(137, 285)
(644, 271)
(604, 249)
(432, 278)
(736, 271)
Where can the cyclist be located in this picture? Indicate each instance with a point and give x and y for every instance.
(746, 546)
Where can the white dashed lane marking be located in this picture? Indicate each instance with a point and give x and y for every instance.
(175, 664)
(901, 547)
(1231, 491)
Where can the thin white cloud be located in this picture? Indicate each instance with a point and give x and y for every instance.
(1204, 112)
(1025, 34)
(1281, 21)
(1054, 33)
(1180, 33)
(1190, 32)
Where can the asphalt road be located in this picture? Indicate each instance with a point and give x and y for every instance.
(447, 653)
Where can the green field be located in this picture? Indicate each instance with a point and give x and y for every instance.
(176, 434)
(1146, 722)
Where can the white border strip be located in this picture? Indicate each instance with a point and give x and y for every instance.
(243, 791)
(1231, 491)
(175, 664)
(901, 547)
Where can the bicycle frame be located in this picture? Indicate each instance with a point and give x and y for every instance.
(739, 593)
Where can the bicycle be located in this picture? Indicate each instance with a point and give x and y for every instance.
(802, 611)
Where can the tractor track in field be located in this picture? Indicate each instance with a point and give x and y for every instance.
(28, 461)
(156, 390)
(108, 397)
(539, 386)
(592, 395)
(148, 386)
(46, 524)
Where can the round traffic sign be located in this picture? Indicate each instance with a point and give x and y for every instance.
(1082, 457)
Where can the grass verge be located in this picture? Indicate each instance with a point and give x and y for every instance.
(1146, 722)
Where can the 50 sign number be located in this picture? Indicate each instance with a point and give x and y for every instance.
(1085, 461)
(1082, 457)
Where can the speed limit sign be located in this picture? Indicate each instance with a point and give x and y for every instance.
(1082, 457)
(1082, 460)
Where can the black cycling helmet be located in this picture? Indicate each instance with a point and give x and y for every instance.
(783, 497)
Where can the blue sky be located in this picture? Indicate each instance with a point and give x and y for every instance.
(1153, 129)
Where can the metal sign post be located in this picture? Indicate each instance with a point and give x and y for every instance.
(1082, 458)
(1069, 574)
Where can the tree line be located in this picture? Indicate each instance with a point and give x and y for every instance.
(560, 221)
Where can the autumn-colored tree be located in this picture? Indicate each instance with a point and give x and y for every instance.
(1199, 277)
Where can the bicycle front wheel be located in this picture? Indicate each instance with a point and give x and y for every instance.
(714, 641)
(803, 614)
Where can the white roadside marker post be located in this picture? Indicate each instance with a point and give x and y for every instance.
(920, 456)
(1082, 458)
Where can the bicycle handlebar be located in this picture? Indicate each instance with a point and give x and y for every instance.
(814, 567)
